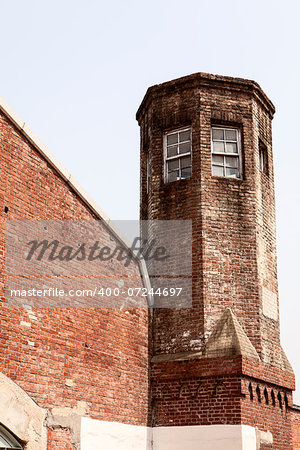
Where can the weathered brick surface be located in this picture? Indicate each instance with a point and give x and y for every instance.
(104, 352)
(196, 392)
(213, 391)
(234, 253)
(296, 428)
(267, 407)
(60, 439)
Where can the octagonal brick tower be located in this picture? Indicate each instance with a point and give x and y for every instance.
(206, 156)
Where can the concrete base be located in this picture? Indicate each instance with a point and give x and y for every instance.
(21, 415)
(101, 435)
(212, 437)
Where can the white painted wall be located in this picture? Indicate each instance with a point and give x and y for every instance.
(102, 435)
(211, 437)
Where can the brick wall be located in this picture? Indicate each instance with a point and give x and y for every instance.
(61, 357)
(265, 403)
(196, 393)
(212, 391)
(296, 427)
(59, 439)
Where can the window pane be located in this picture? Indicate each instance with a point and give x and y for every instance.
(172, 176)
(218, 133)
(185, 148)
(218, 171)
(234, 173)
(219, 147)
(173, 164)
(230, 135)
(185, 173)
(185, 161)
(231, 161)
(172, 151)
(172, 139)
(231, 147)
(218, 160)
(184, 136)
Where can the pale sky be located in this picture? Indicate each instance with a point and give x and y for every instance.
(76, 72)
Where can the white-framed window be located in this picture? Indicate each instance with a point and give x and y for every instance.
(226, 152)
(178, 154)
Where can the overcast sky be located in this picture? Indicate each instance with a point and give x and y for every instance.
(76, 72)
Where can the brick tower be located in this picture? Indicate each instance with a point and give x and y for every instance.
(219, 376)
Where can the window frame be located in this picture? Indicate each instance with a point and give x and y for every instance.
(9, 439)
(237, 155)
(263, 157)
(178, 156)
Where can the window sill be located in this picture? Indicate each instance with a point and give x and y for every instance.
(231, 179)
(176, 181)
(179, 182)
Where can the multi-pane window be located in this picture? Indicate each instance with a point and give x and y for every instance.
(178, 155)
(226, 152)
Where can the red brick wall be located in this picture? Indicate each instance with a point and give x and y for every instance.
(103, 351)
(212, 391)
(262, 409)
(197, 392)
(296, 428)
(59, 439)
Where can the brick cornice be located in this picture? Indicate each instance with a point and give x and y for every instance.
(214, 367)
(202, 79)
